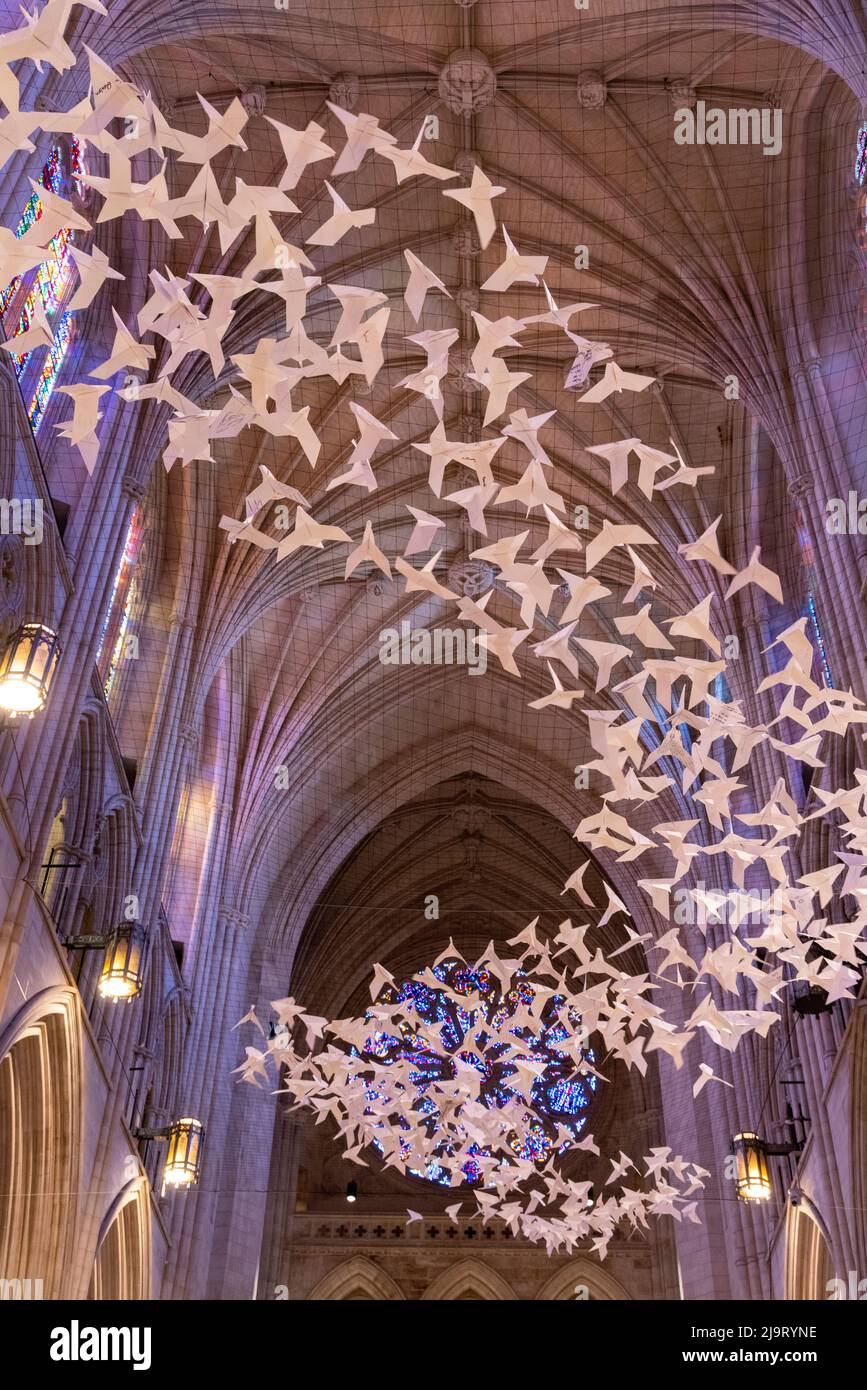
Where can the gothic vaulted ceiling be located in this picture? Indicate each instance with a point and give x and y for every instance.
(679, 250)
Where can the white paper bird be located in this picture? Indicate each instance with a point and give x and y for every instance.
(478, 199)
(342, 220)
(421, 281)
(614, 378)
(300, 148)
(411, 163)
(515, 268)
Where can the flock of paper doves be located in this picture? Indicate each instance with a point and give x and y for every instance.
(427, 1107)
(369, 1100)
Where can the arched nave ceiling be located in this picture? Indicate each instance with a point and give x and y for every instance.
(315, 41)
(683, 244)
(492, 857)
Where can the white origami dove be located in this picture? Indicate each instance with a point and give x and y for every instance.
(300, 148)
(17, 257)
(41, 39)
(696, 624)
(758, 574)
(606, 655)
(477, 199)
(412, 163)
(367, 550)
(617, 458)
(706, 549)
(499, 383)
(515, 268)
(126, 352)
(614, 378)
(246, 531)
(612, 536)
(355, 301)
(38, 334)
(423, 532)
(270, 489)
(560, 537)
(308, 532)
(342, 220)
(421, 280)
(581, 592)
(224, 128)
(93, 271)
(641, 626)
(424, 579)
(363, 133)
(81, 429)
(558, 697)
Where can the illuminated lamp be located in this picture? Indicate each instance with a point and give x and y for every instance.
(753, 1181)
(122, 973)
(121, 976)
(753, 1178)
(27, 667)
(184, 1150)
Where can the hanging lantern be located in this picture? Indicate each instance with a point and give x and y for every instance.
(121, 976)
(810, 1000)
(27, 669)
(182, 1159)
(753, 1180)
(352, 1191)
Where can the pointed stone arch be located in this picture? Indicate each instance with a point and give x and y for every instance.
(40, 1108)
(122, 1267)
(855, 1180)
(600, 1284)
(809, 1265)
(469, 1279)
(356, 1278)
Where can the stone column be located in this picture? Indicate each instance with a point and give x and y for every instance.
(44, 744)
(836, 557)
(841, 614)
(219, 1001)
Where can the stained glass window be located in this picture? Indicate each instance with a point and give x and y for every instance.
(50, 284)
(819, 641)
(121, 605)
(560, 1098)
(810, 610)
(861, 155)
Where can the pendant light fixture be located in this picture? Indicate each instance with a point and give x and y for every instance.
(27, 666)
(183, 1156)
(122, 973)
(752, 1177)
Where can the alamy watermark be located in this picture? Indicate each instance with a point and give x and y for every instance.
(77, 1343)
(737, 125)
(704, 907)
(440, 646)
(851, 1288)
(846, 516)
(22, 516)
(21, 1290)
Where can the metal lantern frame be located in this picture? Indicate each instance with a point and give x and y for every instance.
(123, 960)
(753, 1180)
(122, 973)
(184, 1156)
(810, 1000)
(184, 1152)
(27, 666)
